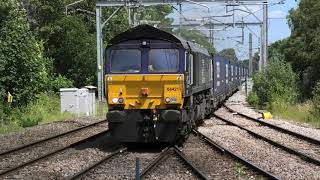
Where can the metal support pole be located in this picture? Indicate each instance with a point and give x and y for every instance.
(99, 53)
(129, 14)
(180, 18)
(265, 34)
(134, 11)
(250, 54)
(261, 49)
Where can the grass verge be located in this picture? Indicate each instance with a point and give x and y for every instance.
(45, 109)
(298, 113)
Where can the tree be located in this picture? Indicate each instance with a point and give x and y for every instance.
(198, 37)
(303, 46)
(157, 13)
(74, 51)
(22, 65)
(229, 53)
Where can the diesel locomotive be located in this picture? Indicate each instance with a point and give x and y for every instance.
(160, 86)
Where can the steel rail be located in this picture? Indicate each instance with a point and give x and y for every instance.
(298, 135)
(190, 164)
(155, 162)
(223, 150)
(48, 138)
(103, 160)
(302, 156)
(50, 154)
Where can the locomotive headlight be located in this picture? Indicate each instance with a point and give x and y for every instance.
(115, 100)
(120, 100)
(168, 100)
(173, 100)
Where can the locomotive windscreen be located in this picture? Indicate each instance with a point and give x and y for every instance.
(163, 60)
(126, 61)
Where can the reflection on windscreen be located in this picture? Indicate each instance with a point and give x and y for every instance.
(163, 60)
(128, 60)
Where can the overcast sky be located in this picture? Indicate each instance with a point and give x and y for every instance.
(278, 26)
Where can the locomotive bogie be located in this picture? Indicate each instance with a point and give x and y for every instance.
(145, 125)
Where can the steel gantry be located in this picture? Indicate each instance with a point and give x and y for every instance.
(129, 4)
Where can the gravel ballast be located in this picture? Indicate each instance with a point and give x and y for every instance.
(215, 164)
(238, 103)
(122, 166)
(290, 141)
(32, 134)
(33, 152)
(268, 157)
(172, 168)
(68, 162)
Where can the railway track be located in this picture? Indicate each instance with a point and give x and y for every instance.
(167, 152)
(216, 147)
(264, 123)
(97, 164)
(22, 151)
(48, 138)
(280, 132)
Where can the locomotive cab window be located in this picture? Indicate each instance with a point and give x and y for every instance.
(125, 61)
(163, 60)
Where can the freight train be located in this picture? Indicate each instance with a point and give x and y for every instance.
(159, 86)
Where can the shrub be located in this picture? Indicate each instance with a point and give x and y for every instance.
(253, 99)
(45, 108)
(316, 100)
(22, 65)
(276, 84)
(57, 82)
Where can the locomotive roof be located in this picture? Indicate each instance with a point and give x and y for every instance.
(150, 32)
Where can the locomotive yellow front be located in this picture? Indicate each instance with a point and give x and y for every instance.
(150, 91)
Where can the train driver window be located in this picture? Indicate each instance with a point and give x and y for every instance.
(190, 77)
(218, 70)
(163, 60)
(125, 61)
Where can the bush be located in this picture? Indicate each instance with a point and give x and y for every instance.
(22, 65)
(276, 85)
(316, 100)
(45, 108)
(253, 99)
(57, 82)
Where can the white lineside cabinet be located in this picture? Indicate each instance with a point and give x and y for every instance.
(92, 99)
(77, 101)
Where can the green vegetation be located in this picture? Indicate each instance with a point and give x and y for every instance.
(46, 108)
(22, 64)
(198, 37)
(240, 170)
(290, 85)
(43, 49)
(229, 53)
